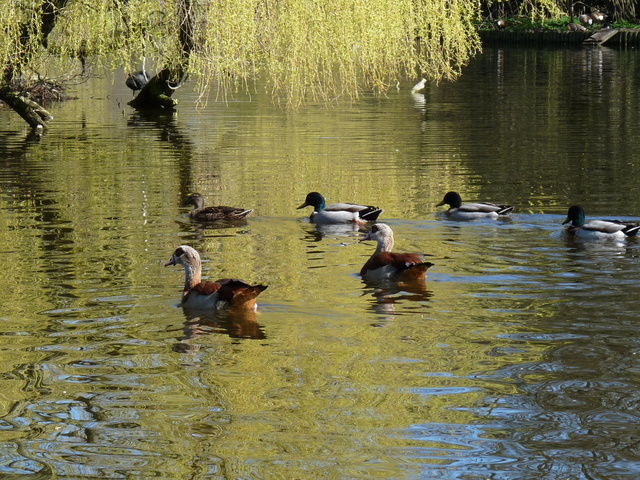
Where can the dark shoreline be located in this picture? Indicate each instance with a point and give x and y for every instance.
(626, 38)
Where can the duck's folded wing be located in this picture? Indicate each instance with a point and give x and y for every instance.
(347, 207)
(485, 207)
(396, 261)
(604, 226)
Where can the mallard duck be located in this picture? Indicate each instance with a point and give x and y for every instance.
(387, 265)
(597, 229)
(471, 211)
(224, 294)
(338, 212)
(213, 214)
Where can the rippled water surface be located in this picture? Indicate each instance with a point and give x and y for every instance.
(517, 360)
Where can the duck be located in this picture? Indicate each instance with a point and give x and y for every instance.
(597, 229)
(213, 214)
(472, 211)
(136, 81)
(324, 214)
(387, 265)
(586, 19)
(574, 27)
(223, 294)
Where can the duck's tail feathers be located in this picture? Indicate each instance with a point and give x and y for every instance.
(246, 298)
(631, 230)
(505, 209)
(244, 213)
(416, 271)
(370, 214)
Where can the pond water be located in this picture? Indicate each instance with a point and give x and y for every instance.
(518, 359)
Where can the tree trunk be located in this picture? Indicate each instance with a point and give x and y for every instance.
(32, 113)
(158, 91)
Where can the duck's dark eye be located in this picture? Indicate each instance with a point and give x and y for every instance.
(179, 252)
(374, 229)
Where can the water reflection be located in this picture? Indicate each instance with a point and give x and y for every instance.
(316, 233)
(517, 358)
(394, 298)
(235, 324)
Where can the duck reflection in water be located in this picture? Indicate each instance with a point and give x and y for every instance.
(235, 324)
(315, 233)
(388, 295)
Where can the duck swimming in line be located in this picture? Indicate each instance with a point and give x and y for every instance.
(597, 229)
(387, 265)
(324, 214)
(213, 214)
(472, 211)
(223, 294)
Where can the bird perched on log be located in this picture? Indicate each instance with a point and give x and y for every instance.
(136, 81)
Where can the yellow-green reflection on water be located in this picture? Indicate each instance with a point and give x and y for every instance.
(516, 360)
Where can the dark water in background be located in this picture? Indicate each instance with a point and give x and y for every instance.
(518, 360)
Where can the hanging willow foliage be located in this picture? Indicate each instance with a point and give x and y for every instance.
(300, 48)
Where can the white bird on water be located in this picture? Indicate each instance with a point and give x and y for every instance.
(419, 86)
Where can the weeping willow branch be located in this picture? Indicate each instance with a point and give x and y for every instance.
(299, 49)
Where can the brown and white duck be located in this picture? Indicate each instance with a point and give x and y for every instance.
(223, 294)
(213, 214)
(387, 265)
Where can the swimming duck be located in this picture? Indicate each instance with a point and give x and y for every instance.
(223, 294)
(213, 214)
(387, 265)
(338, 212)
(597, 229)
(471, 211)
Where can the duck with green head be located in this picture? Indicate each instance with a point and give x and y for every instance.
(324, 214)
(597, 229)
(472, 211)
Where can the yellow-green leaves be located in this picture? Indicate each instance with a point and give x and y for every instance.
(302, 49)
